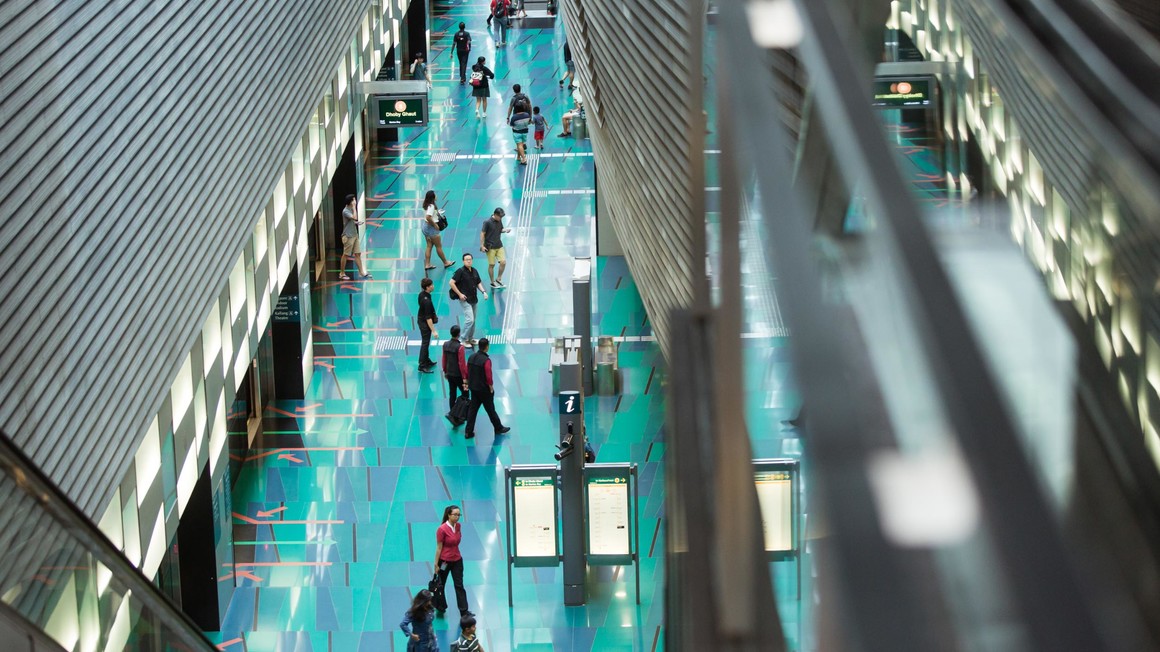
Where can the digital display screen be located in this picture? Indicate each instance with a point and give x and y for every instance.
(400, 110)
(535, 516)
(904, 92)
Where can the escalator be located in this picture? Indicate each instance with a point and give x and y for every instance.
(64, 586)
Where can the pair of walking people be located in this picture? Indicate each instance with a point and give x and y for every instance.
(471, 377)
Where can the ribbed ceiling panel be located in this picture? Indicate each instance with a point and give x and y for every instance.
(140, 140)
(639, 67)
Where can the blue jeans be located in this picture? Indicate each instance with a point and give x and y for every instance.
(468, 325)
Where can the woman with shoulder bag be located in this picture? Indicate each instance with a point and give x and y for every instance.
(432, 217)
(448, 561)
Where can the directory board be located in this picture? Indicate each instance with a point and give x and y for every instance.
(609, 504)
(534, 516)
(776, 482)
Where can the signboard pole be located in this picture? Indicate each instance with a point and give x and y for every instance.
(572, 489)
(636, 526)
(507, 510)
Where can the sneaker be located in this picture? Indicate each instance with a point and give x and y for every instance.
(502, 430)
(494, 284)
(498, 284)
(485, 114)
(469, 344)
(344, 277)
(366, 276)
(426, 370)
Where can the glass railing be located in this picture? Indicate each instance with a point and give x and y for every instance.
(65, 578)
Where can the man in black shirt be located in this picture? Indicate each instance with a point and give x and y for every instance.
(454, 368)
(462, 42)
(427, 320)
(464, 285)
(479, 381)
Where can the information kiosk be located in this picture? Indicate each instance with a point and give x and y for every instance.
(533, 512)
(613, 517)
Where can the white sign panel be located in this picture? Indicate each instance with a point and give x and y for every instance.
(775, 494)
(535, 516)
(608, 514)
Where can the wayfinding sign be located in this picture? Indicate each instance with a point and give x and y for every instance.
(400, 110)
(898, 92)
(777, 485)
(534, 516)
(609, 513)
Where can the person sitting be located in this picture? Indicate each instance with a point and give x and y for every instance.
(576, 112)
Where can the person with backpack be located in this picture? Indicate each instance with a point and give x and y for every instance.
(501, 18)
(462, 40)
(454, 368)
(480, 88)
(518, 98)
(419, 624)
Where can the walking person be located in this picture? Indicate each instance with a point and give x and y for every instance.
(501, 19)
(419, 70)
(481, 89)
(539, 126)
(519, 121)
(431, 232)
(518, 99)
(351, 247)
(454, 368)
(490, 243)
(448, 561)
(427, 320)
(419, 624)
(465, 287)
(569, 67)
(462, 40)
(479, 381)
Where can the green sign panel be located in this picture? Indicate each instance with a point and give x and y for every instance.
(400, 110)
(904, 92)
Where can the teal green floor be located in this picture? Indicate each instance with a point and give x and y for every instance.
(336, 506)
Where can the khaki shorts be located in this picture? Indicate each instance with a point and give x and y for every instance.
(494, 255)
(350, 245)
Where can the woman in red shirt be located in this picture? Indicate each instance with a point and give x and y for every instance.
(448, 560)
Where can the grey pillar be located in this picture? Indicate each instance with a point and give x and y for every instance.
(582, 316)
(571, 458)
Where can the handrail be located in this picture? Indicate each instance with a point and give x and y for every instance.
(36, 485)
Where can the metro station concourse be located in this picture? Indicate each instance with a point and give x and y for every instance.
(776, 325)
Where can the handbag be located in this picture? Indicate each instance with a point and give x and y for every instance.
(441, 222)
(460, 410)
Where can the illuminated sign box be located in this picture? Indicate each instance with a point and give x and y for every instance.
(399, 110)
(534, 516)
(777, 485)
(609, 505)
(913, 92)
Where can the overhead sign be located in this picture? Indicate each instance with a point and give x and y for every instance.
(400, 110)
(534, 516)
(287, 309)
(904, 92)
(776, 482)
(609, 514)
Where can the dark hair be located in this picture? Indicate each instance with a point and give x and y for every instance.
(455, 331)
(421, 605)
(516, 88)
(467, 622)
(349, 199)
(483, 343)
(536, 110)
(466, 254)
(428, 199)
(447, 511)
(418, 55)
(426, 283)
(462, 25)
(479, 61)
